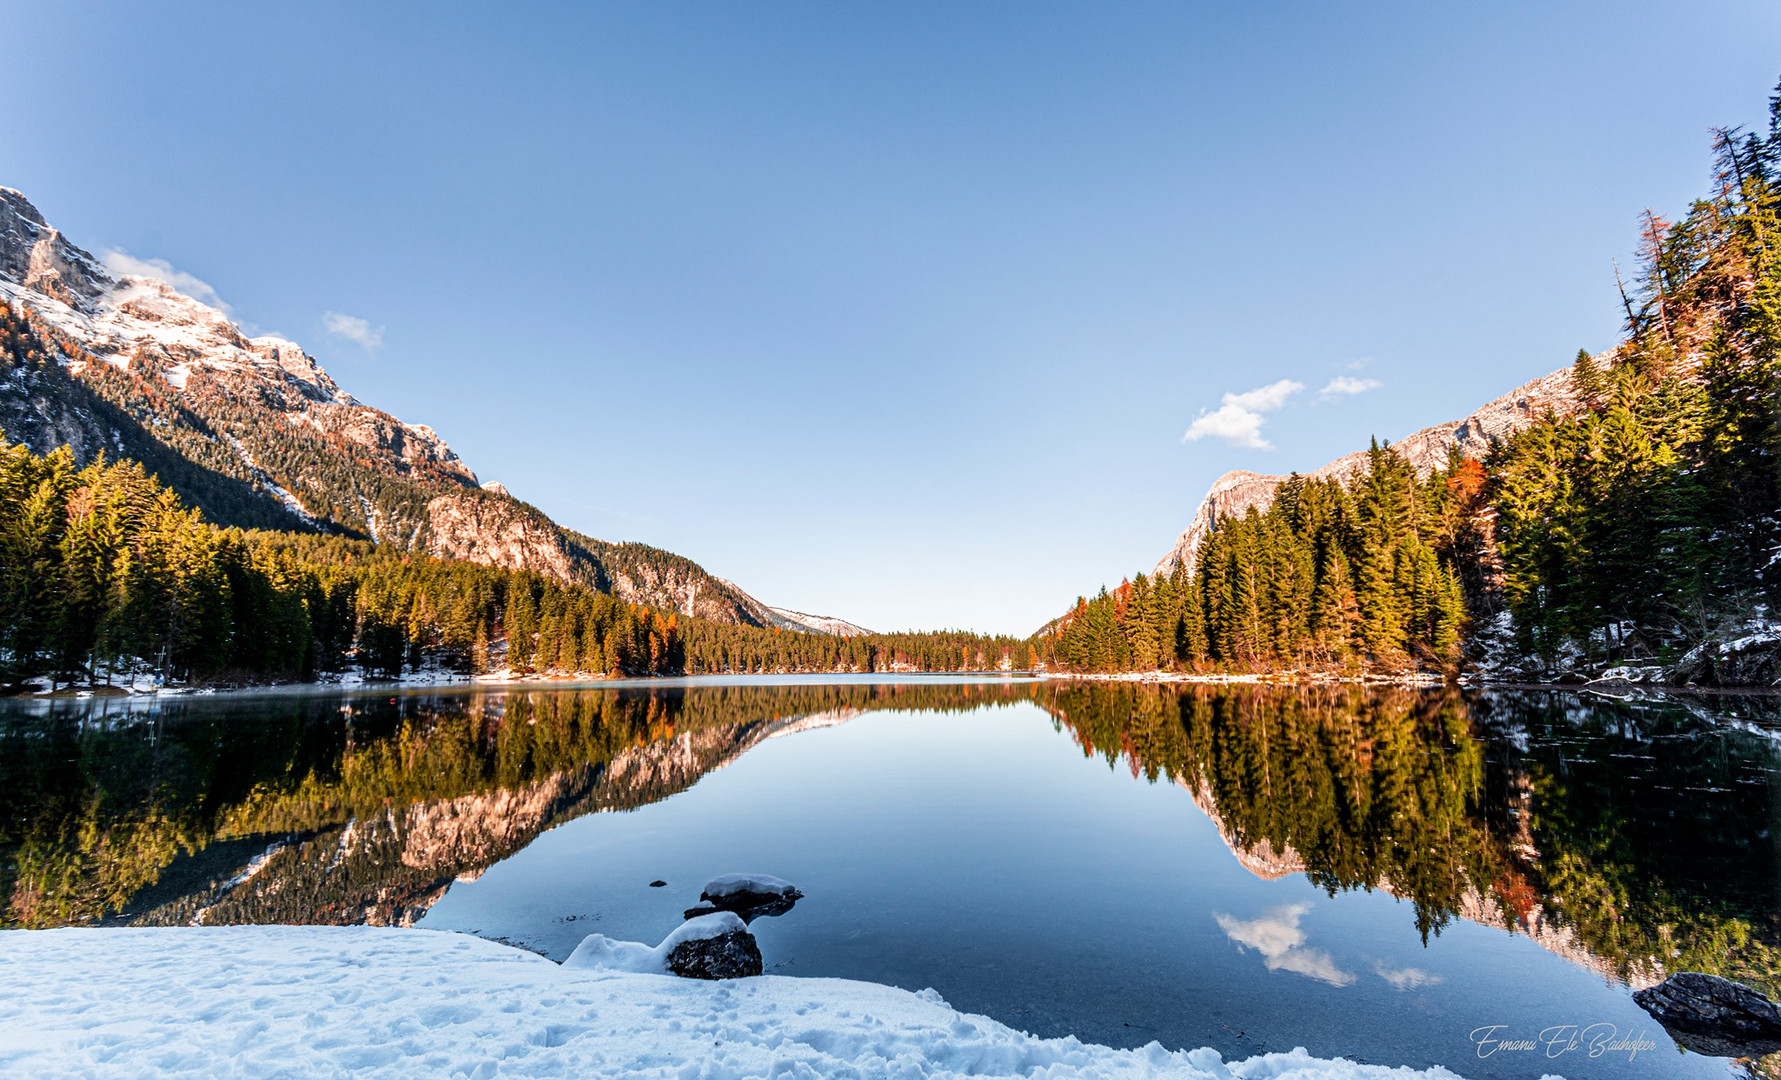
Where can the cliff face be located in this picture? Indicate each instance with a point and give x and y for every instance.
(255, 433)
(1235, 493)
(482, 527)
(822, 624)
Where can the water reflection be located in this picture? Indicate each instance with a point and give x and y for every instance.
(310, 809)
(1633, 838)
(1282, 944)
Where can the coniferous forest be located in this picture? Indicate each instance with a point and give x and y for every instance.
(1329, 576)
(1644, 526)
(104, 571)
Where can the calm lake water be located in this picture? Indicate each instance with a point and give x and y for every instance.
(1376, 874)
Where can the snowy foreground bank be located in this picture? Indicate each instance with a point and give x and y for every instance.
(268, 1001)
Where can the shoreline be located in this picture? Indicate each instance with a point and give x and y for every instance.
(1409, 682)
(408, 684)
(451, 682)
(313, 1000)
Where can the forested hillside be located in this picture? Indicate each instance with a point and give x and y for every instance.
(1331, 576)
(1640, 534)
(103, 572)
(1650, 524)
(255, 433)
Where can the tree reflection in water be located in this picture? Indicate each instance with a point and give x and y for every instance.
(1635, 838)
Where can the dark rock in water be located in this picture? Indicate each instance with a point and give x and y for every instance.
(1714, 1016)
(779, 905)
(657, 883)
(748, 895)
(730, 955)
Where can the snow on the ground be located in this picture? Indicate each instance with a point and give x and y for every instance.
(599, 951)
(133, 676)
(428, 674)
(314, 1001)
(1631, 673)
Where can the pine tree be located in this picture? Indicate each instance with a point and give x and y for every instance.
(1587, 377)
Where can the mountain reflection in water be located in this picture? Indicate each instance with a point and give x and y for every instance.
(1634, 838)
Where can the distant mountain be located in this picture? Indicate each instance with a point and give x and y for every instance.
(254, 432)
(1234, 493)
(821, 624)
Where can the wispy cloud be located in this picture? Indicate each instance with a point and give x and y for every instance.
(1348, 385)
(122, 263)
(1409, 978)
(1278, 938)
(353, 328)
(1238, 420)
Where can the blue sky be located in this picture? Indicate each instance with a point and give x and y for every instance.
(893, 312)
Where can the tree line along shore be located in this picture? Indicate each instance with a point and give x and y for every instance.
(1638, 531)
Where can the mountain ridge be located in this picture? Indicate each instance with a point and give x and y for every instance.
(253, 431)
(1238, 491)
(822, 624)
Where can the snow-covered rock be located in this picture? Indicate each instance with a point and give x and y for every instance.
(336, 1001)
(714, 946)
(748, 888)
(751, 896)
(1750, 658)
(730, 953)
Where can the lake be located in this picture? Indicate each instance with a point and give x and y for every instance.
(1396, 876)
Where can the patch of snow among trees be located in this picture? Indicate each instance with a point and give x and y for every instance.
(290, 501)
(331, 1001)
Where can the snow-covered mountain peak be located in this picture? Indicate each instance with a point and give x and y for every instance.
(132, 357)
(17, 197)
(116, 310)
(36, 256)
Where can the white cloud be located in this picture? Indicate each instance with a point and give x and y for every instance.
(1278, 938)
(1266, 398)
(121, 262)
(1239, 419)
(1348, 385)
(1405, 978)
(353, 328)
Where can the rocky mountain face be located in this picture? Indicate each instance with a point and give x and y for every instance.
(821, 624)
(1236, 492)
(252, 431)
